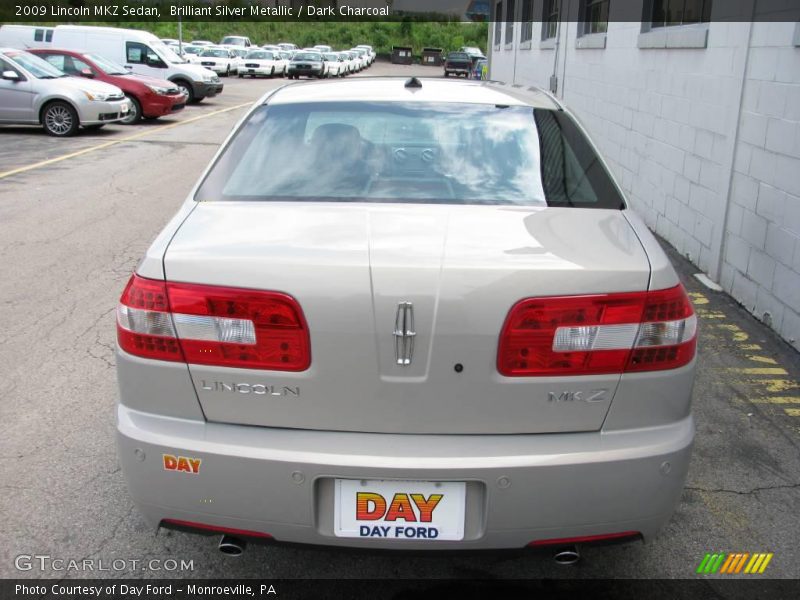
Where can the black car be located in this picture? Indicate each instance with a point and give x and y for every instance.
(458, 63)
(310, 64)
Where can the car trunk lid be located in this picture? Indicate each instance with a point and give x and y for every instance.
(355, 270)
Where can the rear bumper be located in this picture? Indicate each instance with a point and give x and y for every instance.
(520, 488)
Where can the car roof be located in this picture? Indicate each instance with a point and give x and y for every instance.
(393, 89)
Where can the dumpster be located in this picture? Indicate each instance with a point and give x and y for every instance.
(432, 57)
(401, 55)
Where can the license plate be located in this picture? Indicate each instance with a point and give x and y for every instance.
(252, 70)
(399, 510)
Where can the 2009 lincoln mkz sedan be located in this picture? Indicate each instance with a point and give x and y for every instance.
(406, 314)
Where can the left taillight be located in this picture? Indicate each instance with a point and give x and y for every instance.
(598, 334)
(213, 325)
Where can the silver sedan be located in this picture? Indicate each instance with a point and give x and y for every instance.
(406, 314)
(34, 92)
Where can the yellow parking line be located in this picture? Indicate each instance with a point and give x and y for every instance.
(792, 412)
(698, 298)
(710, 314)
(762, 359)
(109, 143)
(777, 400)
(777, 385)
(749, 346)
(759, 370)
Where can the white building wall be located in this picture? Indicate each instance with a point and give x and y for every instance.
(761, 267)
(668, 121)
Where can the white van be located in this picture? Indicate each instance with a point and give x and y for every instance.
(140, 51)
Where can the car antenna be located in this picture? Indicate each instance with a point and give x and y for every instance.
(413, 82)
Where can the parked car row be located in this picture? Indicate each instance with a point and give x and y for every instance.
(322, 61)
(33, 91)
(67, 77)
(237, 55)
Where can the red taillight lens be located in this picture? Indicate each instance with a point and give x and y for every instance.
(608, 333)
(144, 326)
(212, 325)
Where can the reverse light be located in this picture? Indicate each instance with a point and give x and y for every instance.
(597, 334)
(212, 325)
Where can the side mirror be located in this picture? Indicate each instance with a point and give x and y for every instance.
(10, 75)
(88, 73)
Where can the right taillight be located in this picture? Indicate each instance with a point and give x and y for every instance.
(213, 325)
(597, 334)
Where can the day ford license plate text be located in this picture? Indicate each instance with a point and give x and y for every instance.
(400, 510)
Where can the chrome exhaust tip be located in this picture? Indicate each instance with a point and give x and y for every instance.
(232, 546)
(568, 555)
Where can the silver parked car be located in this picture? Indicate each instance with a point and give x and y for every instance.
(409, 315)
(34, 92)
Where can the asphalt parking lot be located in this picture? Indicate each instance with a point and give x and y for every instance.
(75, 217)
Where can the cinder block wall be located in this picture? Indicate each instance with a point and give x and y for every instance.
(704, 141)
(761, 267)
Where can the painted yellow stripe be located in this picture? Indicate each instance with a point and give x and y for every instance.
(121, 140)
(778, 385)
(750, 347)
(741, 562)
(765, 563)
(762, 359)
(777, 400)
(759, 370)
(792, 412)
(698, 298)
(710, 314)
(728, 562)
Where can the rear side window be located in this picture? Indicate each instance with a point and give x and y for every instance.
(411, 152)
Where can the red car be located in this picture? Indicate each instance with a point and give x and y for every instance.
(150, 97)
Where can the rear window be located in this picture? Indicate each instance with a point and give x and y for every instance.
(410, 152)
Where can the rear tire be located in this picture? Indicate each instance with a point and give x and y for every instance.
(59, 119)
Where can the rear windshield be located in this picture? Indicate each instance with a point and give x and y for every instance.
(458, 56)
(410, 152)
